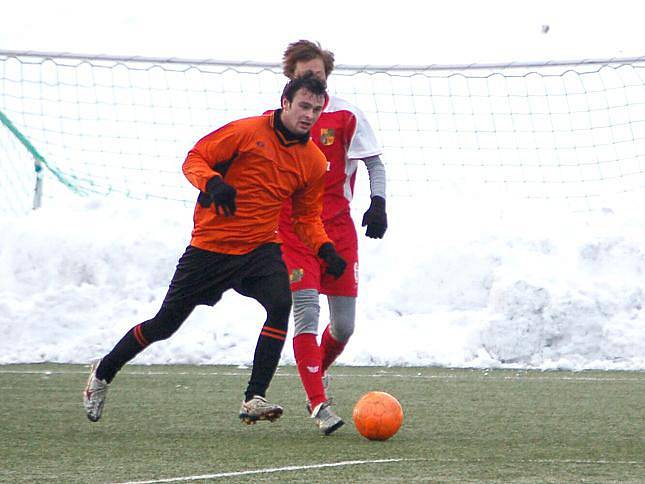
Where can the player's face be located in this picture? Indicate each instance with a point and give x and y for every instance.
(299, 115)
(317, 66)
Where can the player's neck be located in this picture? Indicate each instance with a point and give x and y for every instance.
(290, 137)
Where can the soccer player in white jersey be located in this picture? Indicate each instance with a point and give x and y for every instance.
(344, 136)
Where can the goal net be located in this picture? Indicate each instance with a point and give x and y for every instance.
(569, 132)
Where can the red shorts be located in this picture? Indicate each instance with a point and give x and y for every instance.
(306, 271)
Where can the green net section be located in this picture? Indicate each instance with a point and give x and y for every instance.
(17, 174)
(570, 133)
(117, 127)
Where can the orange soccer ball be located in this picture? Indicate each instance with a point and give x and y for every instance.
(378, 415)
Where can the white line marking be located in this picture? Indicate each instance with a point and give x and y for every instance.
(269, 470)
(474, 376)
(378, 461)
(581, 461)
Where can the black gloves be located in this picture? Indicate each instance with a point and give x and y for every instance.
(221, 194)
(375, 218)
(335, 263)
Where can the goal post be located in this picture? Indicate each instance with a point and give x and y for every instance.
(14, 200)
(572, 132)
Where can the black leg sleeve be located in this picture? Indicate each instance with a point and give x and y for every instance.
(162, 326)
(274, 294)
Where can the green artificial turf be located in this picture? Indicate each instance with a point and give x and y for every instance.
(177, 423)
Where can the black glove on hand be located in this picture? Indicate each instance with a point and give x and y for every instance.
(375, 218)
(335, 264)
(221, 194)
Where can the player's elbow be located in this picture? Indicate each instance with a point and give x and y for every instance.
(188, 163)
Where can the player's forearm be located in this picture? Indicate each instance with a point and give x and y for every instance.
(311, 232)
(305, 215)
(376, 172)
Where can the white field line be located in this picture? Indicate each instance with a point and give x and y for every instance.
(476, 375)
(269, 470)
(378, 461)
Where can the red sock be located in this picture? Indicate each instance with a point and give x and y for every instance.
(330, 349)
(307, 353)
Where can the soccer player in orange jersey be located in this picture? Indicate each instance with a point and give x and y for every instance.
(244, 172)
(344, 135)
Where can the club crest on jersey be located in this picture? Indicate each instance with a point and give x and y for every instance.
(327, 136)
(296, 275)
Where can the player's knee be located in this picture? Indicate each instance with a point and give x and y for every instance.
(306, 320)
(165, 323)
(343, 315)
(306, 311)
(342, 329)
(278, 309)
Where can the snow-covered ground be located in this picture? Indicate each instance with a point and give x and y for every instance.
(463, 283)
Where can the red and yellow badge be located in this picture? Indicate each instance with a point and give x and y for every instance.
(296, 275)
(327, 136)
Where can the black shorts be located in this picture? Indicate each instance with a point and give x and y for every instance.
(203, 276)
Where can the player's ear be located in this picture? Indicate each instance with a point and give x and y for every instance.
(285, 102)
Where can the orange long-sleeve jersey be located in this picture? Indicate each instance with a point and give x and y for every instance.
(255, 156)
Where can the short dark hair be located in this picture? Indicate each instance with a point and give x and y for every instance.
(307, 81)
(303, 51)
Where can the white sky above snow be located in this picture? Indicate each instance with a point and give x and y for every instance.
(410, 32)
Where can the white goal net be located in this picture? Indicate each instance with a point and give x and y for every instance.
(569, 132)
